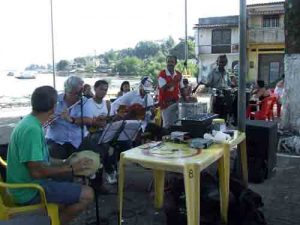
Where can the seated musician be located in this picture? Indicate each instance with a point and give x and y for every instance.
(259, 92)
(101, 114)
(87, 91)
(137, 97)
(65, 134)
(186, 92)
(140, 105)
(28, 162)
(256, 96)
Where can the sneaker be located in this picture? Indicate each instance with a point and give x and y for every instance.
(111, 177)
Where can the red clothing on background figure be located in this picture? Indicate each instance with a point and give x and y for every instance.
(169, 96)
(169, 84)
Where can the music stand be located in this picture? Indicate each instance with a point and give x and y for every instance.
(130, 130)
(111, 131)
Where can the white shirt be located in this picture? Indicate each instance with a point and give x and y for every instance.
(131, 98)
(98, 109)
(162, 82)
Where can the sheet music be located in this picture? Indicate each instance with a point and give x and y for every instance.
(110, 131)
(130, 130)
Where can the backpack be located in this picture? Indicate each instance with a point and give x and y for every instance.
(243, 209)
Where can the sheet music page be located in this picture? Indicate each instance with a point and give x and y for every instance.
(130, 130)
(110, 131)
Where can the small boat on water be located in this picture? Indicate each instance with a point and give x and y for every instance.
(27, 74)
(10, 74)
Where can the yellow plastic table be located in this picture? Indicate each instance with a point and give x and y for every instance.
(182, 159)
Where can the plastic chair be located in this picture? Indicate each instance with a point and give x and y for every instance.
(266, 111)
(8, 208)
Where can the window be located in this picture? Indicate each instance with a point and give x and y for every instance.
(271, 21)
(221, 41)
(274, 71)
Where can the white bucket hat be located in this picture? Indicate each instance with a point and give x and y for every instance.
(147, 83)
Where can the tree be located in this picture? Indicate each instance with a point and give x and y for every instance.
(62, 65)
(167, 45)
(110, 56)
(192, 67)
(146, 49)
(179, 49)
(32, 67)
(81, 61)
(128, 52)
(129, 66)
(152, 68)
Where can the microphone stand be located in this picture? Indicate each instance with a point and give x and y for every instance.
(82, 137)
(81, 117)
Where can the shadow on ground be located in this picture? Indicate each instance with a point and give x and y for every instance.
(281, 196)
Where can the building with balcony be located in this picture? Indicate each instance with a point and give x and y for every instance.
(265, 38)
(215, 36)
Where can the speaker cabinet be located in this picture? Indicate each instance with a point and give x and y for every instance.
(261, 138)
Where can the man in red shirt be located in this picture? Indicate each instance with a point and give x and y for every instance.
(169, 84)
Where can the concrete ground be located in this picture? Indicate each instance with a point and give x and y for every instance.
(281, 194)
(281, 197)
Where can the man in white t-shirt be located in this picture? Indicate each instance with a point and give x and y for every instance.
(100, 110)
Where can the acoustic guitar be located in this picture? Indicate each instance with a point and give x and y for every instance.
(133, 112)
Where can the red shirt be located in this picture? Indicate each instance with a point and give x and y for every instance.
(171, 95)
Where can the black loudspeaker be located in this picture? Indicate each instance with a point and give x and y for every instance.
(261, 138)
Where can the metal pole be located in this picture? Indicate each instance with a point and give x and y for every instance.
(242, 67)
(186, 37)
(52, 39)
(242, 81)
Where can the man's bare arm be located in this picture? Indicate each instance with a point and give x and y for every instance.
(39, 170)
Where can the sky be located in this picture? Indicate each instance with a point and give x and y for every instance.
(90, 27)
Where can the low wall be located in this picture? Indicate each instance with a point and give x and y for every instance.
(291, 98)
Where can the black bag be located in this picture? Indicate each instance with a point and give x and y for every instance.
(246, 210)
(175, 205)
(243, 203)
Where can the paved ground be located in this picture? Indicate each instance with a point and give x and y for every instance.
(281, 194)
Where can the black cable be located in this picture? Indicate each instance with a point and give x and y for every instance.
(81, 118)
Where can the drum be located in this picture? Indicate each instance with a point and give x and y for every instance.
(91, 169)
(223, 102)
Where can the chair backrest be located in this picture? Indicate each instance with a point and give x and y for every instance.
(5, 199)
(267, 104)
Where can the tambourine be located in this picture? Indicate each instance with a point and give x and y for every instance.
(92, 168)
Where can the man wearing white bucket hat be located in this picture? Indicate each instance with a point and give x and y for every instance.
(141, 96)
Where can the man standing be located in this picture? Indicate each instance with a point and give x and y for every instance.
(169, 84)
(74, 112)
(28, 161)
(218, 78)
